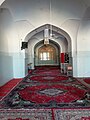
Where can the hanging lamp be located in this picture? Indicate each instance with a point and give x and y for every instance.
(46, 36)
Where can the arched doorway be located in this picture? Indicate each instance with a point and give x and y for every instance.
(46, 54)
(60, 40)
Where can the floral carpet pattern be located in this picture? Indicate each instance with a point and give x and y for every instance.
(72, 114)
(49, 90)
(45, 114)
(20, 114)
(46, 94)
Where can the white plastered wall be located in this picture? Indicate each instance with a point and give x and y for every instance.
(11, 56)
(6, 60)
(83, 46)
(27, 17)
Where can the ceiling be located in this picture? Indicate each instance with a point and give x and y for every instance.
(47, 10)
(31, 14)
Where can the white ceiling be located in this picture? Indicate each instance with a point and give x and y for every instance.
(40, 9)
(36, 13)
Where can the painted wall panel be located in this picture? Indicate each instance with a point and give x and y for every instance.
(18, 65)
(6, 68)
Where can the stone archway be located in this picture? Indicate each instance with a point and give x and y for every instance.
(35, 38)
(56, 30)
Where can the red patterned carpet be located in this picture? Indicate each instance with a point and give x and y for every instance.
(87, 80)
(46, 94)
(7, 88)
(45, 114)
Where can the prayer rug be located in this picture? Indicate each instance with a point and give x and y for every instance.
(21, 114)
(48, 78)
(44, 91)
(72, 114)
(58, 95)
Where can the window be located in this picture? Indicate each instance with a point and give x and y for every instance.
(47, 53)
(44, 56)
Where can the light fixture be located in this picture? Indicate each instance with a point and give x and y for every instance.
(48, 31)
(46, 36)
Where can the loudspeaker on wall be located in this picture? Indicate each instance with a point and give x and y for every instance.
(24, 45)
